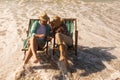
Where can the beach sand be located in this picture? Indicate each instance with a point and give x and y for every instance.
(98, 24)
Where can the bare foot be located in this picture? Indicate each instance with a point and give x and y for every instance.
(36, 61)
(65, 60)
(61, 58)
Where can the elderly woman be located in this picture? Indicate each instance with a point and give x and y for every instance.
(62, 38)
(39, 31)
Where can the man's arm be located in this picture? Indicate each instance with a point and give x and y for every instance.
(40, 35)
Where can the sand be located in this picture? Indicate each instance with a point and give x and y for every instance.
(98, 24)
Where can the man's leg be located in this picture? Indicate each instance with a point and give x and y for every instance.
(60, 43)
(33, 47)
(63, 54)
(62, 48)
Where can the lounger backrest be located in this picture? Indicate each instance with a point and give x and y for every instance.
(70, 23)
(25, 45)
(72, 29)
(31, 23)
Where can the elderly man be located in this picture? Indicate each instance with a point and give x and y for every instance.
(38, 33)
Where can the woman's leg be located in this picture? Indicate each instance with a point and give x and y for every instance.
(33, 47)
(28, 56)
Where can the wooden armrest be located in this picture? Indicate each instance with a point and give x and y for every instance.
(24, 49)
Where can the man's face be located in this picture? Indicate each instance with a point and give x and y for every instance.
(43, 22)
(57, 23)
(52, 24)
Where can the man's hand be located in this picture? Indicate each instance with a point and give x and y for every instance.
(48, 38)
(39, 35)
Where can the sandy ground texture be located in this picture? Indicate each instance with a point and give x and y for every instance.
(98, 23)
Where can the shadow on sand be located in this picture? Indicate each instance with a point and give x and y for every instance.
(90, 60)
(46, 62)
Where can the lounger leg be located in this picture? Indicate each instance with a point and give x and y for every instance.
(47, 49)
(54, 46)
(76, 41)
(24, 55)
